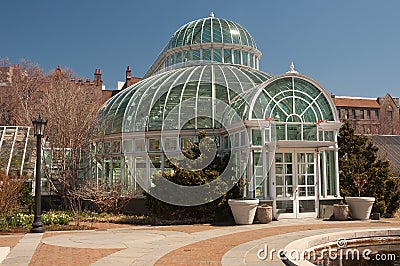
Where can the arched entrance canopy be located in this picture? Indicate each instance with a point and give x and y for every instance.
(286, 98)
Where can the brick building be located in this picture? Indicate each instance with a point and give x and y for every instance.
(377, 117)
(370, 116)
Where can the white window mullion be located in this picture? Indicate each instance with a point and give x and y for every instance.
(24, 154)
(12, 150)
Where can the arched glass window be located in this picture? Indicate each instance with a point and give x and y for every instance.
(293, 100)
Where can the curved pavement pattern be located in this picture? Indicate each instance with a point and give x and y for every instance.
(144, 246)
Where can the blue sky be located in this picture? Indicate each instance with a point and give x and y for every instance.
(350, 47)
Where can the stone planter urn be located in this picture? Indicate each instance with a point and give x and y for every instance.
(360, 207)
(243, 210)
(264, 214)
(341, 212)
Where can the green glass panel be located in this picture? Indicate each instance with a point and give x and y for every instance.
(284, 206)
(288, 158)
(310, 180)
(327, 112)
(171, 113)
(289, 168)
(196, 55)
(301, 105)
(221, 93)
(156, 114)
(307, 88)
(259, 107)
(279, 157)
(196, 38)
(236, 57)
(328, 136)
(234, 85)
(311, 192)
(289, 180)
(289, 192)
(280, 132)
(226, 32)
(279, 170)
(217, 54)
(279, 193)
(279, 179)
(206, 35)
(294, 132)
(217, 35)
(310, 132)
(278, 115)
(189, 33)
(179, 38)
(235, 33)
(227, 56)
(317, 112)
(302, 191)
(186, 56)
(256, 137)
(244, 37)
(245, 57)
(206, 54)
(178, 57)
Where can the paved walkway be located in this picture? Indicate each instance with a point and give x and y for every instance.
(171, 245)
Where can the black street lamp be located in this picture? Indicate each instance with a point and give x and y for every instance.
(38, 129)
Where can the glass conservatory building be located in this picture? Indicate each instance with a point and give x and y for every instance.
(280, 132)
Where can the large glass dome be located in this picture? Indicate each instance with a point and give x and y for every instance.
(209, 30)
(208, 39)
(172, 98)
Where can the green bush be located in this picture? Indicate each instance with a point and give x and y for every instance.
(363, 174)
(214, 210)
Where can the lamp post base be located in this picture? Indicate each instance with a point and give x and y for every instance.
(37, 227)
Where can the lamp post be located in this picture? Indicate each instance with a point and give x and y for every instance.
(38, 129)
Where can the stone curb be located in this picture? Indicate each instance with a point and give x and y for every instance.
(333, 239)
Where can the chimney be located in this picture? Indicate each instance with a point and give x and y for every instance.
(58, 70)
(128, 74)
(97, 77)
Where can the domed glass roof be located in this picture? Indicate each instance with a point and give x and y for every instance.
(183, 98)
(211, 30)
(208, 39)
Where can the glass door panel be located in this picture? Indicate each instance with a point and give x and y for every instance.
(284, 182)
(295, 182)
(305, 199)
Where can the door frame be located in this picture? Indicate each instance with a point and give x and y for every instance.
(295, 197)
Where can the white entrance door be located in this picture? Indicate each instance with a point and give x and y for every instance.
(295, 184)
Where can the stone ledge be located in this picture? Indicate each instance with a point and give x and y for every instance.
(330, 239)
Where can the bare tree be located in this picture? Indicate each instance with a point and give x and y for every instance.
(10, 193)
(71, 111)
(111, 200)
(20, 99)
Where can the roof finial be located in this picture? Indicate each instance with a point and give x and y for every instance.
(292, 69)
(212, 14)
